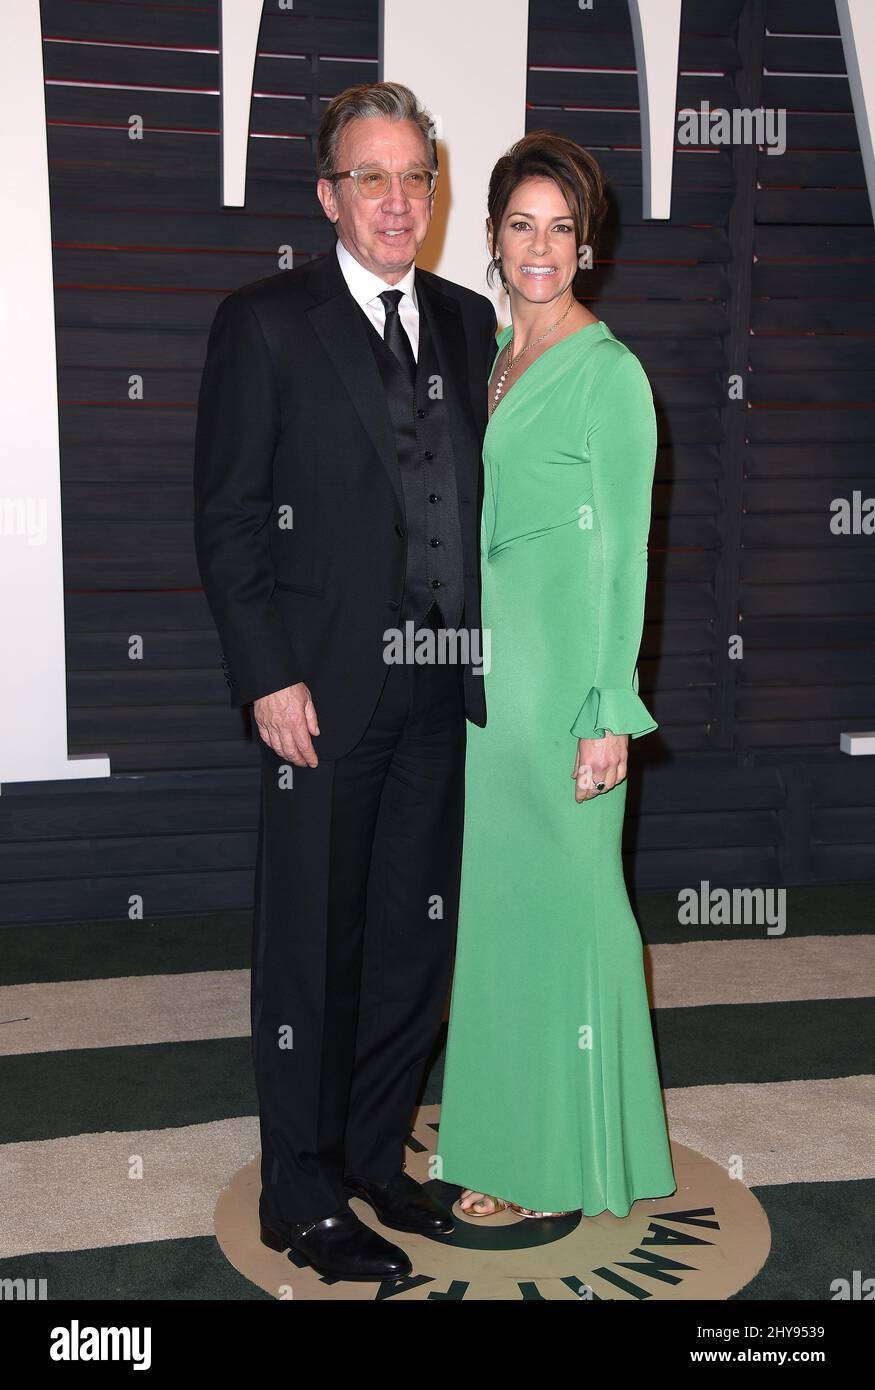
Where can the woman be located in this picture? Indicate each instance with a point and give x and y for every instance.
(551, 1094)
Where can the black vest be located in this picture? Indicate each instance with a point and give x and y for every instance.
(434, 572)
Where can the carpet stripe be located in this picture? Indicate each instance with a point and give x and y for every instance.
(76, 1193)
(59, 1016)
(104, 950)
(760, 972)
(831, 1241)
(221, 941)
(51, 1094)
(136, 1009)
(791, 1131)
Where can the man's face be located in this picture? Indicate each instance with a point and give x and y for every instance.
(384, 234)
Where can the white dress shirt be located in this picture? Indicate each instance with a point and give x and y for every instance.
(366, 288)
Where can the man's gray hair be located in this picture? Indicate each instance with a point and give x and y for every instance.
(365, 102)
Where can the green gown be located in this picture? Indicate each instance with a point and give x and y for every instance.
(551, 1092)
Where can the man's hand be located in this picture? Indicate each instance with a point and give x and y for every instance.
(599, 760)
(285, 720)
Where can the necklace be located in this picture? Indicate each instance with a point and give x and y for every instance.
(499, 386)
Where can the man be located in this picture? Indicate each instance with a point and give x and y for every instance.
(337, 496)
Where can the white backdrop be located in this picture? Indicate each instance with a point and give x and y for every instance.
(33, 691)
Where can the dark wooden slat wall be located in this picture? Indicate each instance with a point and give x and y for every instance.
(790, 243)
(143, 253)
(766, 262)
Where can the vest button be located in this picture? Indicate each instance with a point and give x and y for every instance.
(420, 414)
(434, 541)
(435, 583)
(428, 454)
(433, 497)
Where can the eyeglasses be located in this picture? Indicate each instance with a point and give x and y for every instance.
(375, 182)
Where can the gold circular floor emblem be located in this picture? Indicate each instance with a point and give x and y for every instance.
(705, 1242)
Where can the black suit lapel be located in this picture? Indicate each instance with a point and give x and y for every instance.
(341, 328)
(448, 335)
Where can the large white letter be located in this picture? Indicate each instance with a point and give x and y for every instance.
(238, 39)
(857, 24)
(33, 684)
(467, 62)
(656, 31)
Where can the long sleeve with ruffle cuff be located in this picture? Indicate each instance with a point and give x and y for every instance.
(620, 711)
(621, 442)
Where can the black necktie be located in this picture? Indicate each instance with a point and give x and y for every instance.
(394, 335)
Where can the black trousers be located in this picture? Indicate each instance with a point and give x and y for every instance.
(357, 885)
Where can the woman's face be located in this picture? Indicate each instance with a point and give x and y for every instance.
(537, 242)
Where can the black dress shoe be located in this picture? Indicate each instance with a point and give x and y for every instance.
(402, 1204)
(339, 1246)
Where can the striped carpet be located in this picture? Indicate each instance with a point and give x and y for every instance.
(129, 1102)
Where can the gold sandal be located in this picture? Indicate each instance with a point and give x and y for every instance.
(499, 1204)
(526, 1211)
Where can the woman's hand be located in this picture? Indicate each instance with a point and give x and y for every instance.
(599, 760)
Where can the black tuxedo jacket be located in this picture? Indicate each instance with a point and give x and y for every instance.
(299, 519)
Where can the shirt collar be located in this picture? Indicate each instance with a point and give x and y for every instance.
(364, 285)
